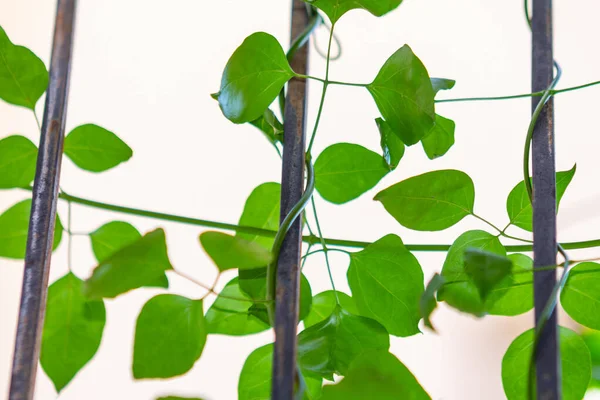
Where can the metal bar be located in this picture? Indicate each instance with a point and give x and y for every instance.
(544, 203)
(43, 209)
(292, 187)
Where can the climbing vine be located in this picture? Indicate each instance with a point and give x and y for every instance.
(344, 334)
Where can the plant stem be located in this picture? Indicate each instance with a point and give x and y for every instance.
(500, 232)
(325, 250)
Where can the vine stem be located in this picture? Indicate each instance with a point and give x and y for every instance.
(325, 250)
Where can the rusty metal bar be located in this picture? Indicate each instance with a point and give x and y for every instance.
(43, 209)
(292, 187)
(544, 203)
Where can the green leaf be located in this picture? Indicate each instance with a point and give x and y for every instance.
(262, 211)
(229, 316)
(581, 295)
(253, 78)
(344, 171)
(230, 252)
(440, 138)
(18, 157)
(574, 358)
(391, 144)
(387, 282)
(323, 305)
(139, 264)
(433, 201)
(95, 149)
(442, 84)
(487, 270)
(170, 334)
(72, 333)
(592, 340)
(255, 378)
(515, 296)
(335, 9)
(330, 346)
(428, 303)
(460, 291)
(518, 205)
(23, 76)
(404, 95)
(270, 126)
(376, 375)
(14, 225)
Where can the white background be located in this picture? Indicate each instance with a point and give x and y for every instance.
(145, 69)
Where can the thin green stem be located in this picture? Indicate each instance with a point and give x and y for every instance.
(500, 231)
(325, 250)
(211, 290)
(70, 237)
(331, 82)
(310, 253)
(37, 120)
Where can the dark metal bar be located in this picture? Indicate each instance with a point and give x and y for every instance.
(43, 209)
(292, 187)
(544, 203)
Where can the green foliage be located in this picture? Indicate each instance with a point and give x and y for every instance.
(574, 358)
(581, 295)
(255, 378)
(330, 346)
(270, 126)
(440, 138)
(519, 207)
(323, 305)
(14, 225)
(387, 282)
(262, 211)
(403, 93)
(376, 375)
(96, 149)
(428, 303)
(231, 313)
(141, 263)
(23, 76)
(335, 9)
(17, 162)
(253, 77)
(460, 291)
(344, 171)
(515, 295)
(230, 252)
(442, 84)
(392, 146)
(430, 202)
(486, 270)
(170, 334)
(73, 328)
(592, 340)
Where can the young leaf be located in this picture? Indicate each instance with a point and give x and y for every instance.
(330, 346)
(139, 264)
(442, 84)
(23, 76)
(270, 126)
(170, 334)
(17, 162)
(460, 291)
(515, 296)
(376, 375)
(253, 78)
(581, 296)
(255, 378)
(323, 305)
(335, 9)
(428, 303)
(229, 316)
(230, 252)
(574, 358)
(262, 211)
(440, 138)
(95, 149)
(518, 205)
(404, 95)
(345, 171)
(393, 148)
(487, 270)
(14, 225)
(433, 201)
(387, 282)
(72, 332)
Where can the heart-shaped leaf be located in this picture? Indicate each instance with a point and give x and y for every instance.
(17, 162)
(323, 305)
(581, 296)
(335, 9)
(230, 252)
(262, 211)
(96, 149)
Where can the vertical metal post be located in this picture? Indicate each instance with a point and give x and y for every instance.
(43, 209)
(544, 203)
(292, 187)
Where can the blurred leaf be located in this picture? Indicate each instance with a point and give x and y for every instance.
(487, 270)
(391, 144)
(581, 295)
(18, 157)
(95, 149)
(515, 296)
(440, 138)
(428, 302)
(335, 9)
(323, 305)
(231, 252)
(270, 126)
(442, 84)
(262, 211)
